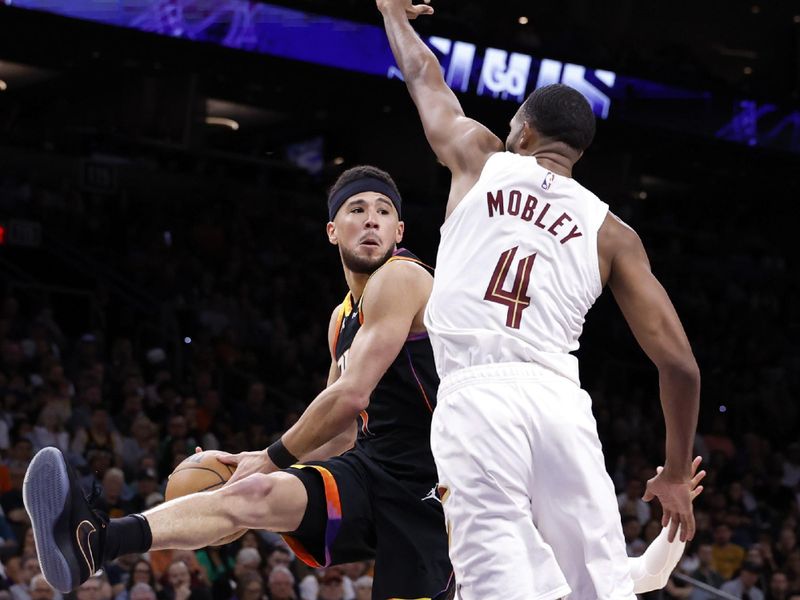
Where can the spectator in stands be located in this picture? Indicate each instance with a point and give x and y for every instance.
(778, 587)
(705, 572)
(99, 435)
(50, 430)
(41, 590)
(91, 589)
(140, 572)
(142, 591)
(29, 568)
(745, 585)
(728, 557)
(280, 556)
(632, 529)
(631, 503)
(180, 586)
(331, 585)
(281, 584)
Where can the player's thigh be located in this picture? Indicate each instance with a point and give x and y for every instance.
(337, 525)
(482, 446)
(481, 443)
(572, 497)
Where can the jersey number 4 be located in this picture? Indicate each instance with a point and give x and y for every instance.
(516, 298)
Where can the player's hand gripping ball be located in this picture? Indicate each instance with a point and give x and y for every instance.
(201, 472)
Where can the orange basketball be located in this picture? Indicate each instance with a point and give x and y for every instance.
(201, 472)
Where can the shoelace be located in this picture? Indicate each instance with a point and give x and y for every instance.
(92, 498)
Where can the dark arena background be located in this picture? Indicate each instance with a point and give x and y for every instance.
(166, 280)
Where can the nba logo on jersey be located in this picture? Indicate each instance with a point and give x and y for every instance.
(548, 180)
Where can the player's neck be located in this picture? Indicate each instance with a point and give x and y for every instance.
(555, 156)
(555, 162)
(356, 282)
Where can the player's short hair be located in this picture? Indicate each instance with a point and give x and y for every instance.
(562, 113)
(358, 173)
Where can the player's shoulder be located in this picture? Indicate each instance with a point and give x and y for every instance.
(401, 272)
(399, 282)
(615, 234)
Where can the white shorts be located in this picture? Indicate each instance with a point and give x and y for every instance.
(531, 511)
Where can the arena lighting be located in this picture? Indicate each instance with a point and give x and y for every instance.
(224, 122)
(339, 160)
(523, 20)
(3, 86)
(493, 73)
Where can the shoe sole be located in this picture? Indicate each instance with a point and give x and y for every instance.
(46, 494)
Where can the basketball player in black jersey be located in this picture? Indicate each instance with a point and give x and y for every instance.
(376, 500)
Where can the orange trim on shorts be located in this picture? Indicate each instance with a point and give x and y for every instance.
(334, 506)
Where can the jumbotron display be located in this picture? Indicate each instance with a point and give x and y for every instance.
(490, 72)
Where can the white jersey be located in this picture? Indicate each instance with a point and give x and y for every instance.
(517, 270)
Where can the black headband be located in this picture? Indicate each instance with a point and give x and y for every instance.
(366, 184)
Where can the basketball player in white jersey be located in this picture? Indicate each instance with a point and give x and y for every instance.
(524, 253)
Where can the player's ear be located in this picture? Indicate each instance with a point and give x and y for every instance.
(527, 135)
(401, 229)
(332, 237)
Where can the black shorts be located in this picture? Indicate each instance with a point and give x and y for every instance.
(356, 511)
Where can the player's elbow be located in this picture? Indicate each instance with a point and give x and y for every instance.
(353, 399)
(424, 70)
(682, 370)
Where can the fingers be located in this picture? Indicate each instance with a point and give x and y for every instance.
(698, 478)
(648, 490)
(229, 459)
(419, 10)
(695, 492)
(197, 449)
(696, 464)
(673, 527)
(688, 527)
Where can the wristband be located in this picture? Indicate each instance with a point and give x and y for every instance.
(279, 455)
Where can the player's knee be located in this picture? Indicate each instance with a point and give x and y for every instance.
(246, 501)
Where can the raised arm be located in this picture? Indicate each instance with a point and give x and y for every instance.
(658, 330)
(460, 143)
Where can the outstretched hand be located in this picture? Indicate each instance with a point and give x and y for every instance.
(412, 10)
(247, 463)
(676, 497)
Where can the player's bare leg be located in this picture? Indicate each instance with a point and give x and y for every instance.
(275, 502)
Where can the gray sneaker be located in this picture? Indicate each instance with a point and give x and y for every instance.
(69, 533)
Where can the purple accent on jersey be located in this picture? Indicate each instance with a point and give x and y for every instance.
(416, 377)
(415, 337)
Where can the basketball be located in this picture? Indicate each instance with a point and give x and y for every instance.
(201, 472)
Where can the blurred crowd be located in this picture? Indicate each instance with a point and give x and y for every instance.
(233, 348)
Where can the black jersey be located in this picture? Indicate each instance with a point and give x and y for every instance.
(395, 429)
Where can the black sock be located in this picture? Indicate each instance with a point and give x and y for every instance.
(127, 535)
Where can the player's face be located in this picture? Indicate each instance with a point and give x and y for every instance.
(367, 230)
